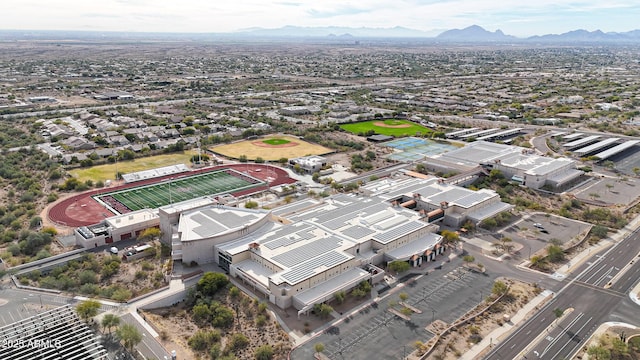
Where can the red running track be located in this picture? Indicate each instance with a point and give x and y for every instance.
(83, 210)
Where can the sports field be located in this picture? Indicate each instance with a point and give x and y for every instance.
(181, 189)
(108, 171)
(276, 141)
(390, 127)
(270, 149)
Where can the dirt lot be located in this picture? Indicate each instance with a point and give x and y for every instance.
(246, 314)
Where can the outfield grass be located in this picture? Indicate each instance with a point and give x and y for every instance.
(108, 171)
(365, 126)
(276, 141)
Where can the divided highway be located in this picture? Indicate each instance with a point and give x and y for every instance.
(589, 299)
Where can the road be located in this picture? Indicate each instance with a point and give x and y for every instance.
(588, 299)
(149, 346)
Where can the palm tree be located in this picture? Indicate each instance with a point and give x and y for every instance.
(109, 321)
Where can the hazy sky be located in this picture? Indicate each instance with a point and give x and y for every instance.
(514, 17)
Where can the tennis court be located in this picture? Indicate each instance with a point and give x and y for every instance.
(413, 149)
(177, 190)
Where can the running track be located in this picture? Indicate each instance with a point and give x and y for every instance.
(83, 210)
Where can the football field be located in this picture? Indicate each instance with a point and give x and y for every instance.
(176, 190)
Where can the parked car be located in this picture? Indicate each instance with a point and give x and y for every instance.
(114, 250)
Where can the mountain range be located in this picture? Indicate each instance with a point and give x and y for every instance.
(471, 34)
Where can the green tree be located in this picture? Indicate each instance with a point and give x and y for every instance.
(403, 296)
(398, 266)
(211, 282)
(506, 244)
(88, 309)
(129, 335)
(237, 341)
(499, 288)
(264, 352)
(251, 204)
(322, 310)
(340, 296)
(555, 253)
(202, 339)
(599, 231)
(468, 259)
(109, 321)
(149, 234)
(598, 352)
(450, 237)
(318, 347)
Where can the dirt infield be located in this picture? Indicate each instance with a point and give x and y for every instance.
(82, 209)
(254, 149)
(400, 126)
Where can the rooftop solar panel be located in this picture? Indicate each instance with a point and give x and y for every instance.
(308, 268)
(307, 251)
(399, 231)
(357, 231)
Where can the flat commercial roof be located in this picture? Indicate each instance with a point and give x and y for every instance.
(461, 132)
(500, 134)
(479, 133)
(134, 217)
(579, 142)
(594, 147)
(572, 136)
(216, 220)
(616, 149)
(326, 290)
(417, 246)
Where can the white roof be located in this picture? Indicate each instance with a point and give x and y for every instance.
(418, 246)
(215, 221)
(132, 218)
(326, 290)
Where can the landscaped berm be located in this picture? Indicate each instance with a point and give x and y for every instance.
(390, 127)
(270, 149)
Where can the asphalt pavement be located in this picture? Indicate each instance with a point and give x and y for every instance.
(592, 298)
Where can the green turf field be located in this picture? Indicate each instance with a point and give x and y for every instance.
(181, 189)
(276, 141)
(409, 129)
(108, 171)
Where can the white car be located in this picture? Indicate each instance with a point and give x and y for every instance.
(538, 225)
(114, 250)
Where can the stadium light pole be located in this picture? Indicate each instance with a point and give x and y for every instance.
(170, 197)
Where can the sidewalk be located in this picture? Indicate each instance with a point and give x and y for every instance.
(495, 335)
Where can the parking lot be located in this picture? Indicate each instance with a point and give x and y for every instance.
(533, 238)
(373, 332)
(609, 190)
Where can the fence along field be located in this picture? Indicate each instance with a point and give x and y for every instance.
(390, 127)
(180, 189)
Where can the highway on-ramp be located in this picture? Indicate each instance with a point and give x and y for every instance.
(599, 293)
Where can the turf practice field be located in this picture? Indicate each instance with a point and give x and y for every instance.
(390, 127)
(181, 189)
